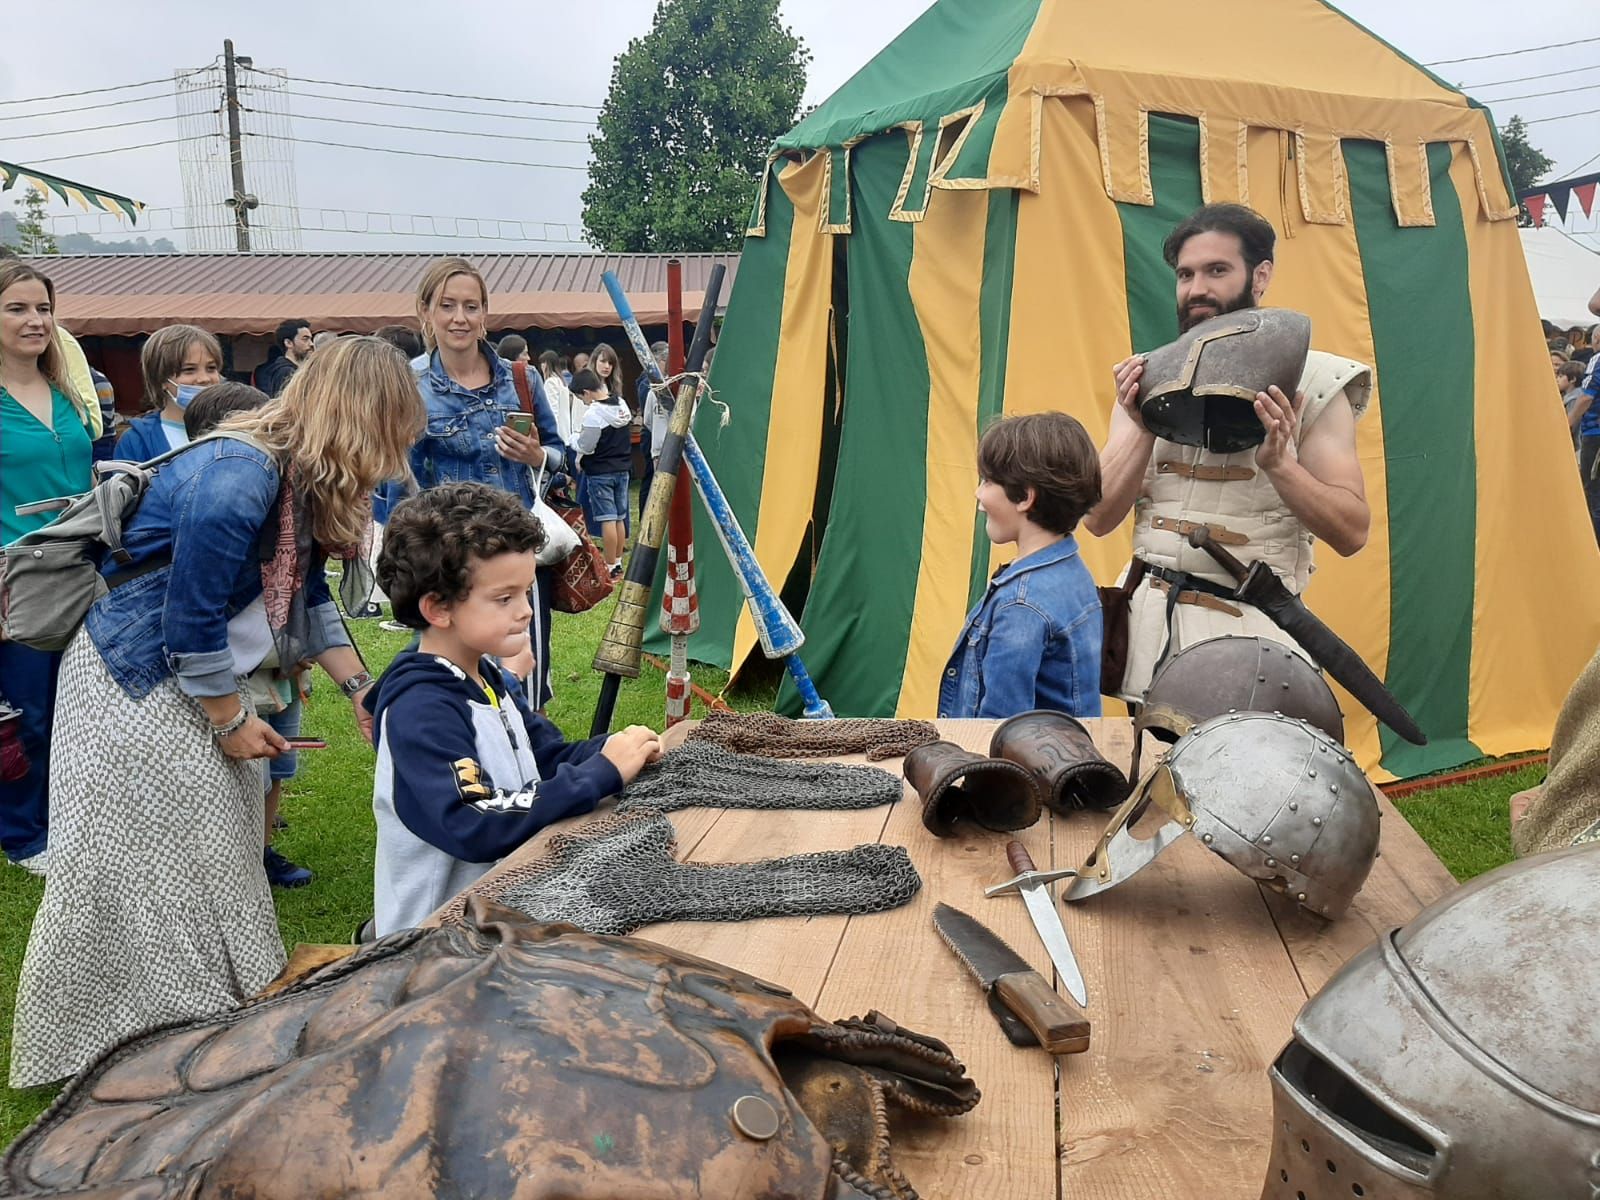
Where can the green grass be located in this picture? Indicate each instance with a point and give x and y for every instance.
(329, 810)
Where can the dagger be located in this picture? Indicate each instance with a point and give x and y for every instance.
(1001, 971)
(1033, 886)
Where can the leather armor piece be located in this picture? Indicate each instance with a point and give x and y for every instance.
(1059, 753)
(1200, 390)
(499, 1057)
(957, 785)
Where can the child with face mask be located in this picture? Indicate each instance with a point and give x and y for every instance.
(177, 363)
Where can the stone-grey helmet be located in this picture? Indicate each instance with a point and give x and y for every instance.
(1234, 674)
(1457, 1058)
(1273, 796)
(1201, 389)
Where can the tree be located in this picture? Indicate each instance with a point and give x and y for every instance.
(1524, 160)
(694, 106)
(33, 237)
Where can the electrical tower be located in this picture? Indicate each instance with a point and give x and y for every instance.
(239, 190)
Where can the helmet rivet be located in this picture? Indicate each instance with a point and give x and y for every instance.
(1313, 773)
(1334, 788)
(1294, 806)
(1316, 820)
(1294, 858)
(1272, 862)
(1206, 838)
(1286, 685)
(1261, 678)
(1300, 896)
(1266, 839)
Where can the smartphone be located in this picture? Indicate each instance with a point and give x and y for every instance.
(522, 422)
(306, 743)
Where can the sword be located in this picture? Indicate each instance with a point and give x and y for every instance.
(1259, 586)
(1034, 888)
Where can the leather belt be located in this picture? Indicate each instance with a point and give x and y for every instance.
(1201, 593)
(1201, 471)
(1184, 528)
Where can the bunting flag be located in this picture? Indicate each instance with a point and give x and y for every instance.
(1585, 195)
(972, 226)
(1559, 193)
(80, 194)
(1535, 207)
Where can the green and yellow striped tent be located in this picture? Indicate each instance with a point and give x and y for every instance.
(972, 225)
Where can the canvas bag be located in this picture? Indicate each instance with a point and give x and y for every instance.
(51, 577)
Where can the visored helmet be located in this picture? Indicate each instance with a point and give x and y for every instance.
(1234, 674)
(1200, 390)
(1273, 796)
(1456, 1057)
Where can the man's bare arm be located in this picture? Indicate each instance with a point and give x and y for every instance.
(1320, 480)
(1126, 454)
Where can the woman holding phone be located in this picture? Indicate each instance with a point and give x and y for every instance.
(475, 421)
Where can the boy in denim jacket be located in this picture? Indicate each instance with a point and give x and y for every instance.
(1033, 641)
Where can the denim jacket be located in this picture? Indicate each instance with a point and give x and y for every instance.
(1033, 641)
(459, 443)
(206, 508)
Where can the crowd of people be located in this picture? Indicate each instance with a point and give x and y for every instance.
(1573, 356)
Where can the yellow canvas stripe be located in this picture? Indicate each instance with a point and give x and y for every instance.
(1534, 626)
(946, 276)
(1318, 270)
(794, 430)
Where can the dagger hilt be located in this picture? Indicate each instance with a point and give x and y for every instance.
(1201, 539)
(1027, 874)
(1019, 858)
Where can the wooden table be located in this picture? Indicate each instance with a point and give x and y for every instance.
(1195, 975)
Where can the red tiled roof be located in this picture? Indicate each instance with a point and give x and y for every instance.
(234, 294)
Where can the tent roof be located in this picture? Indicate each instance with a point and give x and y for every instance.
(1565, 275)
(243, 294)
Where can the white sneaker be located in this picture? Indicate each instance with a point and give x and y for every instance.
(36, 864)
(395, 627)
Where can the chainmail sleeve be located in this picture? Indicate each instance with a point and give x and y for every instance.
(773, 736)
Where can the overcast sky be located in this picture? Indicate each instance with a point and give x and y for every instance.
(561, 53)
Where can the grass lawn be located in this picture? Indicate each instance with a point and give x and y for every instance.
(329, 810)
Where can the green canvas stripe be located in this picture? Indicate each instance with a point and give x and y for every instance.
(973, 161)
(858, 617)
(747, 356)
(994, 329)
(1419, 297)
(1175, 178)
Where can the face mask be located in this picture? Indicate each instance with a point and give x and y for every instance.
(185, 392)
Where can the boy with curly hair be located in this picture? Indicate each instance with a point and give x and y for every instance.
(466, 771)
(1034, 639)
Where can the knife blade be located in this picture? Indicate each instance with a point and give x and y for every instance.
(1060, 1028)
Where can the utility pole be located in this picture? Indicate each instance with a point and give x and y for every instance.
(240, 202)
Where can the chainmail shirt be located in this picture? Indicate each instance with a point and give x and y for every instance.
(769, 734)
(704, 775)
(618, 873)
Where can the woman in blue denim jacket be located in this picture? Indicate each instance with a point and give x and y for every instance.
(1034, 640)
(156, 906)
(468, 391)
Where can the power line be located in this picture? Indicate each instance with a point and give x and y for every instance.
(22, 137)
(1529, 78)
(121, 87)
(372, 87)
(586, 122)
(1445, 62)
(108, 150)
(62, 112)
(1576, 169)
(504, 162)
(1588, 112)
(473, 133)
(1588, 87)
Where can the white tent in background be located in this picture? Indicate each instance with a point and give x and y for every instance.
(1565, 274)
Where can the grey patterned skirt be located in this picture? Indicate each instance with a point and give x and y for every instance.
(156, 906)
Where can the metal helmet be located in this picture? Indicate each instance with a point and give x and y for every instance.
(1454, 1058)
(1234, 674)
(1201, 389)
(1273, 796)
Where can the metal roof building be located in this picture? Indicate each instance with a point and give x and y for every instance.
(101, 295)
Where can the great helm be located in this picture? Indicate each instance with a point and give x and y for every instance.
(1200, 390)
(1456, 1057)
(1273, 796)
(1234, 674)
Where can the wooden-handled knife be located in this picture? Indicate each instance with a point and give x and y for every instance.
(1058, 1024)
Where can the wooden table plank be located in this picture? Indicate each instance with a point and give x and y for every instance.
(895, 962)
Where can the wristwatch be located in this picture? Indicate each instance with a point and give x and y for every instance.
(357, 682)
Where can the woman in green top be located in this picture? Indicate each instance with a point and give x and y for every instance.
(44, 452)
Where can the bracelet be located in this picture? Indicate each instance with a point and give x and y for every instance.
(231, 727)
(357, 682)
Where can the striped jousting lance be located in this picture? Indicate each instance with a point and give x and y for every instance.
(778, 631)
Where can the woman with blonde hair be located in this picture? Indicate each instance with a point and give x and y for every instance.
(470, 395)
(178, 363)
(45, 450)
(156, 906)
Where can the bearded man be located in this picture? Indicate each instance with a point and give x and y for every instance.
(1269, 502)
